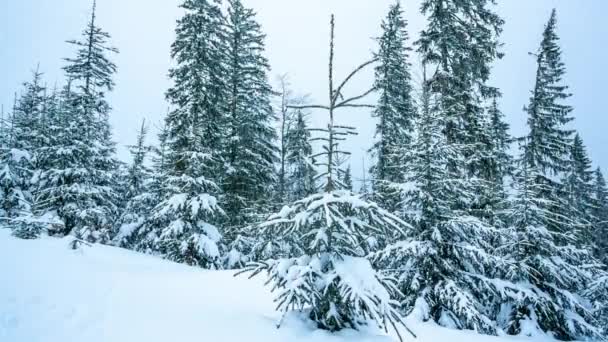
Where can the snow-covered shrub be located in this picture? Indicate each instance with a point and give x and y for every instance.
(329, 276)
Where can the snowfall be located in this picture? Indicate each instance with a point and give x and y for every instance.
(50, 293)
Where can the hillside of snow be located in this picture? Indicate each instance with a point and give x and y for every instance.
(49, 293)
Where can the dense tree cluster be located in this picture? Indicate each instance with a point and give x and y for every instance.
(455, 228)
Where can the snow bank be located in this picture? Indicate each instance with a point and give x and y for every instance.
(49, 293)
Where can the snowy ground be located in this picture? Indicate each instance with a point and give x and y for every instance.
(49, 293)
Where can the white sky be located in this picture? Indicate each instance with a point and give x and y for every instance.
(34, 31)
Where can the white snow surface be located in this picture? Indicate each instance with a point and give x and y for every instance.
(49, 293)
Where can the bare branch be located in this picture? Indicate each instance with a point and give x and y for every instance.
(355, 98)
(357, 106)
(351, 75)
(308, 107)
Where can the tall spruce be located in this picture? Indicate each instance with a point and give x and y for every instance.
(446, 265)
(182, 226)
(549, 277)
(460, 42)
(250, 151)
(79, 189)
(550, 270)
(549, 139)
(395, 110)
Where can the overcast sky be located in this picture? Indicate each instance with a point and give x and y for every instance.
(34, 31)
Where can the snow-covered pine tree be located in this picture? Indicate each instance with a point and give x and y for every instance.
(395, 110)
(301, 173)
(549, 140)
(181, 227)
(577, 189)
(79, 191)
(600, 216)
(327, 276)
(347, 179)
(285, 120)
(459, 43)
(138, 198)
(548, 277)
(446, 265)
(57, 162)
(17, 164)
(495, 165)
(250, 152)
(598, 292)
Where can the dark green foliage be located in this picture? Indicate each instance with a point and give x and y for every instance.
(395, 110)
(250, 152)
(300, 169)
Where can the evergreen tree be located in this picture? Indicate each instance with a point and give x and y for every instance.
(577, 188)
(199, 89)
(598, 292)
(138, 197)
(600, 216)
(549, 277)
(18, 158)
(497, 167)
(395, 110)
(285, 120)
(347, 179)
(460, 43)
(52, 183)
(21, 166)
(79, 188)
(329, 234)
(301, 173)
(446, 264)
(181, 227)
(549, 140)
(250, 152)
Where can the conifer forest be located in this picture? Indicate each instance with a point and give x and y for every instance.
(457, 221)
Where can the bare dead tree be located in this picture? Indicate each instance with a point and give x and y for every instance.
(334, 134)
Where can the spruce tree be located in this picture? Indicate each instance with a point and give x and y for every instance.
(79, 189)
(181, 227)
(497, 167)
(250, 152)
(301, 174)
(549, 140)
(550, 270)
(549, 277)
(347, 179)
(18, 158)
(577, 188)
(395, 110)
(325, 271)
(600, 216)
(447, 265)
(138, 197)
(460, 42)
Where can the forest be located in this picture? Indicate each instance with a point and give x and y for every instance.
(461, 223)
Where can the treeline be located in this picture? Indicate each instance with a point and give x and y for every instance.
(455, 228)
